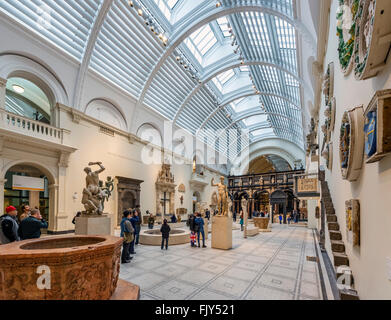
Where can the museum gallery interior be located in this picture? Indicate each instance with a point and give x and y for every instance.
(195, 150)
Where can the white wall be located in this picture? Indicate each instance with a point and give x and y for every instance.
(373, 188)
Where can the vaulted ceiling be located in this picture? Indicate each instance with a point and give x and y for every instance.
(204, 64)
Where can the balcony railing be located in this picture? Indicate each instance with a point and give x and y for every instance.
(29, 127)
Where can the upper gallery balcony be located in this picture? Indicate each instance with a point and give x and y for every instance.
(14, 124)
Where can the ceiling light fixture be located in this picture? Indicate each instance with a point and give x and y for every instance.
(18, 89)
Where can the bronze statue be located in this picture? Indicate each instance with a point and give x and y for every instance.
(223, 196)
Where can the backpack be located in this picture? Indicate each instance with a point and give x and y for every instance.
(196, 226)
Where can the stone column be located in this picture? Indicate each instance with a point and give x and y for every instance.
(53, 207)
(3, 83)
(2, 183)
(245, 217)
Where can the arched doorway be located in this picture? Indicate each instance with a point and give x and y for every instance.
(279, 203)
(32, 184)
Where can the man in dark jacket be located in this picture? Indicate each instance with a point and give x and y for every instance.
(137, 225)
(199, 222)
(127, 232)
(30, 227)
(165, 230)
(134, 221)
(9, 226)
(190, 222)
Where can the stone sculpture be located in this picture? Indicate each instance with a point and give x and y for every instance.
(93, 195)
(222, 203)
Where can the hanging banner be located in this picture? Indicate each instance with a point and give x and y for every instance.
(27, 183)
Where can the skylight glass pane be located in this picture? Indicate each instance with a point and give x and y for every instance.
(255, 120)
(261, 132)
(172, 3)
(244, 69)
(164, 8)
(204, 39)
(224, 26)
(226, 76)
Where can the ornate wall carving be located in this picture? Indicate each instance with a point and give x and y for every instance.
(89, 272)
(373, 38)
(346, 32)
(351, 146)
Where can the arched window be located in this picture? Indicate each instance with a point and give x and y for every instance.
(26, 99)
(106, 112)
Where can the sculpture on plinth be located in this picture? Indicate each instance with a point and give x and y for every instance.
(93, 195)
(222, 203)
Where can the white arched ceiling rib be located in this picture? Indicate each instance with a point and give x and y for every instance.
(95, 30)
(257, 111)
(223, 67)
(261, 137)
(203, 15)
(243, 94)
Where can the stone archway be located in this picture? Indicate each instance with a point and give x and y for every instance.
(52, 187)
(128, 195)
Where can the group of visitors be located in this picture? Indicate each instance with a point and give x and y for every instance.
(261, 214)
(290, 218)
(130, 231)
(28, 226)
(196, 224)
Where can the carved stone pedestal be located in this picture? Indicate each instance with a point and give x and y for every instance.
(221, 232)
(93, 225)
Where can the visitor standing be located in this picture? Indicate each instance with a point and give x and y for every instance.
(9, 226)
(190, 222)
(127, 232)
(137, 228)
(207, 214)
(234, 216)
(280, 218)
(199, 228)
(30, 227)
(76, 216)
(165, 230)
(25, 212)
(173, 219)
(133, 220)
(289, 219)
(151, 220)
(193, 239)
(241, 220)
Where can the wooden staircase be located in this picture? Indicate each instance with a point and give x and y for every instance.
(337, 245)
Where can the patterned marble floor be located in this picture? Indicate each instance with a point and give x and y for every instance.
(270, 266)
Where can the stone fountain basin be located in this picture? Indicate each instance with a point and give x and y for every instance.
(80, 268)
(154, 237)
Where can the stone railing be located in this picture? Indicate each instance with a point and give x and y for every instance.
(22, 125)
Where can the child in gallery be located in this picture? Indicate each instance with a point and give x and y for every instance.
(241, 220)
(193, 239)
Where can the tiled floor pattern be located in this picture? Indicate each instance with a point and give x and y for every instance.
(266, 267)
